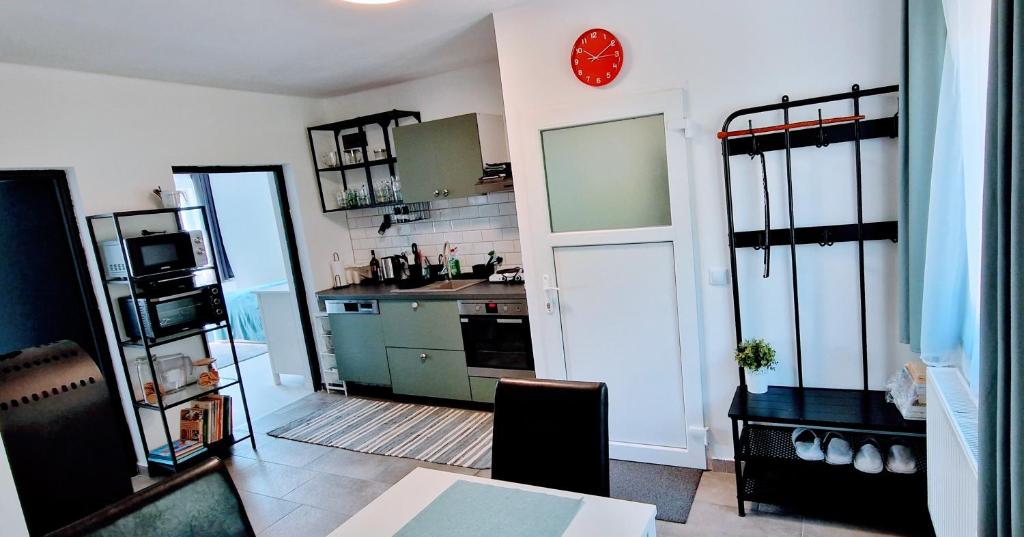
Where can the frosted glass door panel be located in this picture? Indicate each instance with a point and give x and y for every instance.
(611, 175)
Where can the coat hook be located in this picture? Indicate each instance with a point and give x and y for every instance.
(821, 132)
(753, 140)
(825, 236)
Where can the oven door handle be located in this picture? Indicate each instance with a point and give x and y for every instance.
(176, 297)
(509, 321)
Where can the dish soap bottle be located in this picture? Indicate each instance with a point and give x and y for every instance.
(454, 268)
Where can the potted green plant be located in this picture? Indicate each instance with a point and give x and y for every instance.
(756, 357)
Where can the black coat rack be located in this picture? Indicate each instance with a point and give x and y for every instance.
(766, 465)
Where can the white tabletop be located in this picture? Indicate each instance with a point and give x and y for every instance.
(399, 504)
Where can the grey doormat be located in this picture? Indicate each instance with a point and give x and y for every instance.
(670, 488)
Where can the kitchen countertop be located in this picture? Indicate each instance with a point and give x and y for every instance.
(480, 291)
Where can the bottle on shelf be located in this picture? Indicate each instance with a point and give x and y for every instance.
(374, 267)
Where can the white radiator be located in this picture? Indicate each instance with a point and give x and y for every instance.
(952, 454)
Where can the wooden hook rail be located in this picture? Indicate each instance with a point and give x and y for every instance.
(789, 126)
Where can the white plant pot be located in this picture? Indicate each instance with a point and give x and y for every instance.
(757, 381)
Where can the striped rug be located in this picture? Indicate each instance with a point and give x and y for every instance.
(427, 433)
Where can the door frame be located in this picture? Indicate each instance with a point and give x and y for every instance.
(291, 245)
(538, 242)
(87, 288)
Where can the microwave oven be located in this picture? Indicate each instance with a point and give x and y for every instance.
(154, 254)
(157, 317)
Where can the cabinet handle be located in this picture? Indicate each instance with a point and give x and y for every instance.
(445, 192)
(423, 357)
(437, 193)
(415, 305)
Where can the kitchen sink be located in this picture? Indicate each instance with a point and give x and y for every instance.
(440, 287)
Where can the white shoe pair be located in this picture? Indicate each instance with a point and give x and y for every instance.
(838, 451)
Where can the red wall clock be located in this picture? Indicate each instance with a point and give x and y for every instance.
(596, 57)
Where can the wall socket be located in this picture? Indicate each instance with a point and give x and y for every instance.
(718, 277)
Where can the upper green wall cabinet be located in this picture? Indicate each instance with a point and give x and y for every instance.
(444, 158)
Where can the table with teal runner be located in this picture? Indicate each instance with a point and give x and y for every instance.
(469, 509)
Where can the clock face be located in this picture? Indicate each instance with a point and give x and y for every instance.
(596, 57)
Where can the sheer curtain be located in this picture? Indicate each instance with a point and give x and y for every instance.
(941, 204)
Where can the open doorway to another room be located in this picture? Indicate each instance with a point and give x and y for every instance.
(251, 243)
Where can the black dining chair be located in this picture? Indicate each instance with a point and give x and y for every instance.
(552, 433)
(199, 502)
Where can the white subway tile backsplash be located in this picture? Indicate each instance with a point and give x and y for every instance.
(503, 246)
(476, 225)
(498, 222)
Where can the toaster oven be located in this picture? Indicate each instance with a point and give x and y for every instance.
(157, 317)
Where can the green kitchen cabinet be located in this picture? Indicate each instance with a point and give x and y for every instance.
(421, 324)
(429, 373)
(482, 389)
(444, 158)
(359, 349)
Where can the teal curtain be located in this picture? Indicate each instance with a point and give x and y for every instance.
(924, 42)
(1001, 407)
(941, 98)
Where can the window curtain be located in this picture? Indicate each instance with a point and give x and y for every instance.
(204, 195)
(941, 143)
(1001, 409)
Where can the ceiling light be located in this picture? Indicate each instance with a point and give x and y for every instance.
(372, 1)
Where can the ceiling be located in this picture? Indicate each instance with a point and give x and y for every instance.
(312, 48)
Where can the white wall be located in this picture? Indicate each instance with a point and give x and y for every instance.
(729, 55)
(10, 507)
(248, 222)
(118, 139)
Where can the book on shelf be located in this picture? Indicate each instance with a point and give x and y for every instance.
(217, 421)
(183, 450)
(192, 423)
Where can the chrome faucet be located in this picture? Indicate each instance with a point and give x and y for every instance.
(446, 268)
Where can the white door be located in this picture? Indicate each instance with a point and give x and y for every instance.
(604, 214)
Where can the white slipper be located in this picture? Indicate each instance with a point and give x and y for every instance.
(807, 444)
(837, 449)
(869, 457)
(900, 460)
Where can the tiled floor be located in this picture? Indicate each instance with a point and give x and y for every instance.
(291, 489)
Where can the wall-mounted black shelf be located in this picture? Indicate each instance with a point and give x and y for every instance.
(169, 400)
(355, 131)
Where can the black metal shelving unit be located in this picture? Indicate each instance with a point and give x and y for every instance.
(169, 401)
(767, 468)
(357, 126)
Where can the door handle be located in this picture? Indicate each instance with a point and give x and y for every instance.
(437, 193)
(415, 306)
(549, 291)
(445, 192)
(423, 357)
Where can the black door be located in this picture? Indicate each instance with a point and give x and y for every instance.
(44, 297)
(45, 289)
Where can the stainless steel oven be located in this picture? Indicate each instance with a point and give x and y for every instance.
(496, 335)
